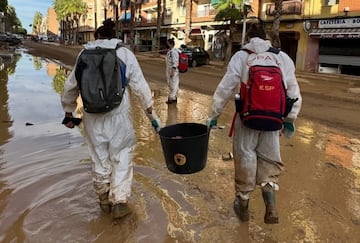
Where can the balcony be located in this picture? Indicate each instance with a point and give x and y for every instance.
(291, 7)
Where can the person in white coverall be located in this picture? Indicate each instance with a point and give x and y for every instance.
(172, 72)
(110, 136)
(257, 159)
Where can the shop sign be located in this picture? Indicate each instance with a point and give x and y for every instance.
(339, 23)
(340, 36)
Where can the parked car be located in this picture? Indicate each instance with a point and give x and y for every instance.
(196, 55)
(9, 38)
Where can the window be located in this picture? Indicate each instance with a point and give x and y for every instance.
(331, 2)
(203, 10)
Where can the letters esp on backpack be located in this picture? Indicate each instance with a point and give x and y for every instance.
(101, 79)
(263, 97)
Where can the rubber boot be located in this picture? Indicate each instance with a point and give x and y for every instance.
(105, 205)
(241, 208)
(120, 210)
(271, 215)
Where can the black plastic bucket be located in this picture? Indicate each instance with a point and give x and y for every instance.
(185, 147)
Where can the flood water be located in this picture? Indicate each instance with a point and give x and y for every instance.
(46, 192)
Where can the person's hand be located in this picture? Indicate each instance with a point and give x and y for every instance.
(288, 129)
(67, 120)
(156, 125)
(211, 122)
(154, 119)
(172, 72)
(69, 124)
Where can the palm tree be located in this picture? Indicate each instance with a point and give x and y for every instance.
(188, 7)
(37, 23)
(229, 11)
(69, 11)
(277, 15)
(158, 25)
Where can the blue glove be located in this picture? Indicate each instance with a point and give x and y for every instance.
(155, 124)
(288, 129)
(210, 123)
(155, 121)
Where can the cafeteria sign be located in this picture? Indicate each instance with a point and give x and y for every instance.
(339, 23)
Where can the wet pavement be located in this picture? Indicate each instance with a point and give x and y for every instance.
(46, 192)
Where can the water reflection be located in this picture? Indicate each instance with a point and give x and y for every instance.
(5, 118)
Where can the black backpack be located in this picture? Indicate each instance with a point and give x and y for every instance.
(101, 79)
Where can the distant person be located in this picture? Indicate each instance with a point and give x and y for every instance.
(172, 72)
(256, 145)
(110, 135)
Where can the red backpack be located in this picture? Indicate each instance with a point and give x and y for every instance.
(263, 97)
(183, 62)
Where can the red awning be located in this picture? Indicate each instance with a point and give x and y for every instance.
(346, 33)
(194, 30)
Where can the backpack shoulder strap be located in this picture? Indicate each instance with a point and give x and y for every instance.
(274, 50)
(122, 66)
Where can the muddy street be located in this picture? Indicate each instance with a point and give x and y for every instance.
(46, 192)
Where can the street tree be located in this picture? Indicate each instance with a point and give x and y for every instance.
(230, 12)
(37, 23)
(158, 25)
(188, 8)
(277, 14)
(68, 12)
(12, 22)
(3, 5)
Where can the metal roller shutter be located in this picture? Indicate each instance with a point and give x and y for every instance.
(340, 60)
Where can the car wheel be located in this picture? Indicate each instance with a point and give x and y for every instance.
(193, 63)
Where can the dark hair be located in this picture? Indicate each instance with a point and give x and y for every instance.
(274, 39)
(171, 41)
(106, 31)
(256, 30)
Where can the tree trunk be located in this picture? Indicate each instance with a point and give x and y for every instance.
(158, 25)
(277, 14)
(132, 25)
(188, 6)
(229, 42)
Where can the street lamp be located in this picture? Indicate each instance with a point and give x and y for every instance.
(246, 9)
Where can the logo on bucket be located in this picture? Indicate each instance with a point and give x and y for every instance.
(179, 159)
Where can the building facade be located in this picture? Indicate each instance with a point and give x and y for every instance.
(319, 35)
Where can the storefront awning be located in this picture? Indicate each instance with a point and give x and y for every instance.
(195, 31)
(346, 33)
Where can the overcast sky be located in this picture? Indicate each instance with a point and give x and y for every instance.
(26, 9)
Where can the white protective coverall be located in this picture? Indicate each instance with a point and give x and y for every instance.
(257, 157)
(110, 136)
(172, 63)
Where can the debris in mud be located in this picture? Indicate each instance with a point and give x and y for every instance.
(355, 221)
(331, 164)
(227, 156)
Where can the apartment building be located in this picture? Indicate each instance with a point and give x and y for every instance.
(319, 35)
(204, 31)
(333, 29)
